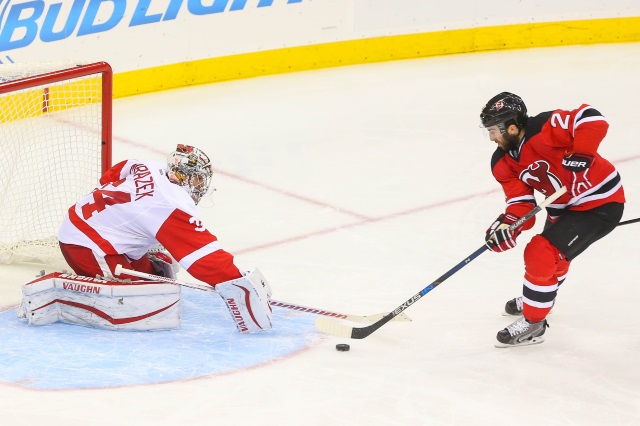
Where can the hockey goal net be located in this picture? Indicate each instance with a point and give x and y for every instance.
(55, 131)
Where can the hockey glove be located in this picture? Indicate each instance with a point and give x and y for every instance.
(499, 238)
(163, 263)
(576, 172)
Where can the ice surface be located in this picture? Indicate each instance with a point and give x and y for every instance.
(352, 189)
(64, 356)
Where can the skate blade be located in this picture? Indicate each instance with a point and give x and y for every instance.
(534, 341)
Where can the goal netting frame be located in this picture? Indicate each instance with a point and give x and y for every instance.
(56, 140)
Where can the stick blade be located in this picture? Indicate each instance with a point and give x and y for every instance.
(333, 327)
(401, 317)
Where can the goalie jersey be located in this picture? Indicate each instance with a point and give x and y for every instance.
(137, 207)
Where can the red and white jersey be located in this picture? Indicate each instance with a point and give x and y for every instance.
(135, 208)
(537, 163)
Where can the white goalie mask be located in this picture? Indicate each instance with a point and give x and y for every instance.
(190, 168)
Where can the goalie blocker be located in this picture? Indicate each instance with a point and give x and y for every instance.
(247, 299)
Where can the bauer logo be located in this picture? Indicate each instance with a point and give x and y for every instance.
(24, 21)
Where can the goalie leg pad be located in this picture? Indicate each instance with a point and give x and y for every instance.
(247, 299)
(91, 302)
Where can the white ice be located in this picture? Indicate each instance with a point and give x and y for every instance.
(354, 188)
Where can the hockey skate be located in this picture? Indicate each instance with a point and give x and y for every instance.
(513, 307)
(522, 333)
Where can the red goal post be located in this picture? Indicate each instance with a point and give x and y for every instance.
(55, 134)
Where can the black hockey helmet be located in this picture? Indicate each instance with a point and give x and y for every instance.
(503, 110)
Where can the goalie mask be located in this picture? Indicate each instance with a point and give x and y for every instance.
(190, 168)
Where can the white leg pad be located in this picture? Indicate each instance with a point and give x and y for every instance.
(91, 302)
(247, 299)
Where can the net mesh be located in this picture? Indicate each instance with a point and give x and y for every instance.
(51, 153)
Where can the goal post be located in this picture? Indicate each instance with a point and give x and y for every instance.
(55, 135)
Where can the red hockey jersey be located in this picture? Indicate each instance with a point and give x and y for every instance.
(137, 207)
(537, 163)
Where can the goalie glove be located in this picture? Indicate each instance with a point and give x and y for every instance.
(576, 172)
(498, 237)
(163, 262)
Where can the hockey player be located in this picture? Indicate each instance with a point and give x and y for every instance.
(144, 204)
(543, 153)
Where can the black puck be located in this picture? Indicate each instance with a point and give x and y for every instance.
(342, 347)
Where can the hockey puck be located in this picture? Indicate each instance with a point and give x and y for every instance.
(342, 347)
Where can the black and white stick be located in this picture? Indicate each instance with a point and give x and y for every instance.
(336, 328)
(356, 318)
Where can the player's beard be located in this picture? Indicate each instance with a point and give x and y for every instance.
(513, 142)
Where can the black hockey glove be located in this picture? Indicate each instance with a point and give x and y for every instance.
(498, 237)
(576, 172)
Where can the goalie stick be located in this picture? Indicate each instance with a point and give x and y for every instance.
(331, 326)
(356, 318)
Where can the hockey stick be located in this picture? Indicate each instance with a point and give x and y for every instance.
(356, 318)
(336, 328)
(627, 222)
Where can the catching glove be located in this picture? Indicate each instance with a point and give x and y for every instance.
(163, 262)
(576, 170)
(499, 238)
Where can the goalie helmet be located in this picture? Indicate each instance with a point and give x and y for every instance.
(190, 168)
(503, 110)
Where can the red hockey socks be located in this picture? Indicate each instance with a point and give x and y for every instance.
(544, 264)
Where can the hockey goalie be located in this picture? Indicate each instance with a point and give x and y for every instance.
(143, 217)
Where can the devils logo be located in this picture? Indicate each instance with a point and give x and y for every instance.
(538, 176)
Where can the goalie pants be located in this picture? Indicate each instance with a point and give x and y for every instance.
(85, 262)
(548, 255)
